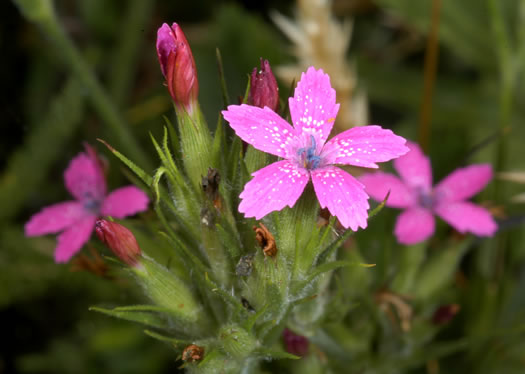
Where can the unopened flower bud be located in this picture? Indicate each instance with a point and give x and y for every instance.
(177, 65)
(120, 240)
(445, 313)
(263, 87)
(294, 343)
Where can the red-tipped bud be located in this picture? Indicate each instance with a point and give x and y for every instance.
(177, 65)
(120, 240)
(263, 87)
(445, 313)
(295, 344)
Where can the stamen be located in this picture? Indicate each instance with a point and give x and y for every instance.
(310, 160)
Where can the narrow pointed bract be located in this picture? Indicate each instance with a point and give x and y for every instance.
(307, 154)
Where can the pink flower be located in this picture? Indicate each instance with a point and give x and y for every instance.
(75, 220)
(313, 110)
(414, 193)
(177, 65)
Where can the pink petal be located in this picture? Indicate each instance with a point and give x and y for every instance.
(124, 202)
(364, 146)
(277, 185)
(414, 225)
(343, 195)
(313, 108)
(72, 240)
(464, 183)
(262, 128)
(465, 216)
(84, 178)
(414, 168)
(378, 184)
(55, 218)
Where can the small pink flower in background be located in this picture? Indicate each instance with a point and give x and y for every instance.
(75, 220)
(177, 65)
(414, 193)
(313, 110)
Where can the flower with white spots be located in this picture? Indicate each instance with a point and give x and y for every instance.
(307, 153)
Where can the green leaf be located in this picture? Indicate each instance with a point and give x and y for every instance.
(145, 177)
(150, 315)
(274, 354)
(321, 269)
(176, 342)
(437, 272)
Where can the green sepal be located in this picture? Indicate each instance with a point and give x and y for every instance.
(171, 293)
(149, 315)
(195, 141)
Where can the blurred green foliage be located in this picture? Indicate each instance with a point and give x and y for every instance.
(48, 110)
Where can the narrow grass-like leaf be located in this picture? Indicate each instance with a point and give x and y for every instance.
(224, 88)
(321, 269)
(176, 342)
(150, 315)
(145, 177)
(250, 322)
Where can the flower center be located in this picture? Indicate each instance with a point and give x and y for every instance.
(91, 204)
(426, 199)
(307, 156)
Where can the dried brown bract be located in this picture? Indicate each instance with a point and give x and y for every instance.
(210, 186)
(266, 240)
(192, 353)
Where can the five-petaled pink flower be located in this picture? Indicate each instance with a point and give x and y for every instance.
(75, 220)
(307, 154)
(414, 193)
